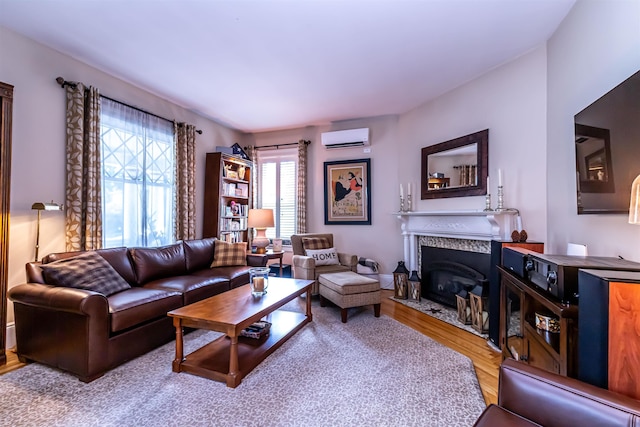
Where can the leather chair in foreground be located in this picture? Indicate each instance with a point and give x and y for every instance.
(529, 396)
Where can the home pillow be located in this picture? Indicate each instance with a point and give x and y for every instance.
(324, 256)
(315, 243)
(227, 254)
(86, 271)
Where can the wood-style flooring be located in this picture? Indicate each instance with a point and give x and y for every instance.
(485, 359)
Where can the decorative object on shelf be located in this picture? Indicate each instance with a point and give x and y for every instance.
(400, 281)
(260, 219)
(464, 307)
(634, 203)
(241, 171)
(523, 236)
(547, 323)
(39, 206)
(238, 151)
(414, 287)
(347, 198)
(277, 245)
(259, 281)
(515, 236)
(500, 206)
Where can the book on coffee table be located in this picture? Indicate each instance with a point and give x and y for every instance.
(256, 330)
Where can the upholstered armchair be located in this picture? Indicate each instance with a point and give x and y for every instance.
(307, 267)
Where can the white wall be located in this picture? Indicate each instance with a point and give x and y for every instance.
(38, 158)
(596, 48)
(381, 240)
(510, 102)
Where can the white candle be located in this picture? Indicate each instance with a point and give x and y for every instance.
(519, 223)
(499, 177)
(409, 189)
(258, 284)
(488, 186)
(401, 191)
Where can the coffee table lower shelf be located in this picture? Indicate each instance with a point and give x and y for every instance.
(212, 360)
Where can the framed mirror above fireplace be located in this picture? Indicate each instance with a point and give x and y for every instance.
(456, 168)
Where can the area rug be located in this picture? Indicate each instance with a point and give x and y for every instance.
(439, 311)
(367, 372)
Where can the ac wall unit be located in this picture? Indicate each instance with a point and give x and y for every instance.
(345, 138)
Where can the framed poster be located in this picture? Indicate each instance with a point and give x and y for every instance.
(347, 192)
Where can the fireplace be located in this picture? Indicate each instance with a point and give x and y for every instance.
(447, 272)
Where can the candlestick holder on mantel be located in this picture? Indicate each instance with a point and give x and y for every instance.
(408, 207)
(500, 206)
(401, 204)
(487, 203)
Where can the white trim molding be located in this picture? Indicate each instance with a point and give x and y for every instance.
(455, 224)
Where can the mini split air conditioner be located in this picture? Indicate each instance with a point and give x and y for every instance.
(345, 138)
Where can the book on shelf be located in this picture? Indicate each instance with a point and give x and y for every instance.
(256, 330)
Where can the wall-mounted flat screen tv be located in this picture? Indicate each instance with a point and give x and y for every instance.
(607, 141)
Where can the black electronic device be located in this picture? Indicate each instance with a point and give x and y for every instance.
(557, 275)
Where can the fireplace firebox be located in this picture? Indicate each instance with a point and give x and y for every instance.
(447, 272)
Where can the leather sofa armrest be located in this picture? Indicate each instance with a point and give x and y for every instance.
(71, 300)
(561, 400)
(257, 260)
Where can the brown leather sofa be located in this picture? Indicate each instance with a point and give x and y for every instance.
(528, 396)
(87, 333)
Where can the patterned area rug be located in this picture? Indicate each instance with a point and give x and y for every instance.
(439, 311)
(367, 372)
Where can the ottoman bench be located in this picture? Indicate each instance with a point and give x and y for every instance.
(347, 289)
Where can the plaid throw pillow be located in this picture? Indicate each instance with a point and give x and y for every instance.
(87, 271)
(228, 254)
(315, 243)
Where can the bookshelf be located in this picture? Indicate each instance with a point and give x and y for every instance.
(227, 197)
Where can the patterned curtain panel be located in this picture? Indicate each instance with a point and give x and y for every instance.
(185, 209)
(301, 227)
(253, 156)
(83, 196)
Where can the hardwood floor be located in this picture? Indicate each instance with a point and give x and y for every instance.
(485, 360)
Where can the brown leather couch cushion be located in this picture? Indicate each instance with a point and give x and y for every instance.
(117, 257)
(156, 263)
(193, 288)
(139, 305)
(495, 416)
(198, 253)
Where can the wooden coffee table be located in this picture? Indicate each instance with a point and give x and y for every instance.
(231, 357)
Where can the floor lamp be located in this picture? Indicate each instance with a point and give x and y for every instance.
(39, 206)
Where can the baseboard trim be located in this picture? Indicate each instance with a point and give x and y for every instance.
(11, 335)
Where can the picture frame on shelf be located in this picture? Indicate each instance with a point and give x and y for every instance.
(347, 192)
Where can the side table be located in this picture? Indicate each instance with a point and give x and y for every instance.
(279, 255)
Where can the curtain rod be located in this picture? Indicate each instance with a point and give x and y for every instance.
(62, 82)
(262, 147)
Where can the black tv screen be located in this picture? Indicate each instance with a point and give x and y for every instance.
(607, 141)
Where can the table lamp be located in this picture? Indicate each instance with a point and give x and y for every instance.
(260, 219)
(39, 206)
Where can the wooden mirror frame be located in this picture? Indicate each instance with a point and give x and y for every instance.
(6, 104)
(482, 166)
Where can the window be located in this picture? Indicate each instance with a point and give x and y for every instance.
(277, 180)
(137, 151)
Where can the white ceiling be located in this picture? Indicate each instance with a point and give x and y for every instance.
(258, 65)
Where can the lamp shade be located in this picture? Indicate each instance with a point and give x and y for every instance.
(40, 206)
(260, 218)
(634, 204)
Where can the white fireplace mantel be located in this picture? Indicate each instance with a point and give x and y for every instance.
(455, 224)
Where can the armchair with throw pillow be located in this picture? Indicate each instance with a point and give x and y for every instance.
(314, 254)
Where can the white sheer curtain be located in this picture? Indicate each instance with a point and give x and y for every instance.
(138, 176)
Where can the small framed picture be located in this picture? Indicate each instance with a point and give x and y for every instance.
(277, 245)
(232, 174)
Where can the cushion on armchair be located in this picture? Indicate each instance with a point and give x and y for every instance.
(87, 271)
(315, 243)
(324, 256)
(227, 254)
